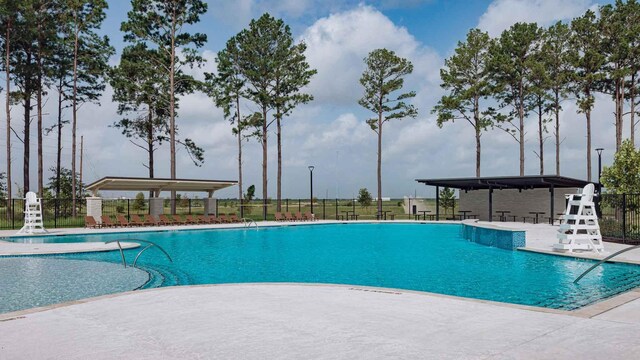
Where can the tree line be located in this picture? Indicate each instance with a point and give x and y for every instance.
(531, 71)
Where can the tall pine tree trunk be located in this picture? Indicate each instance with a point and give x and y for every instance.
(172, 114)
(74, 124)
(27, 128)
(264, 163)
(59, 147)
(240, 198)
(557, 112)
(588, 115)
(632, 96)
(619, 102)
(8, 111)
(150, 148)
(39, 106)
(476, 121)
(521, 129)
(380, 163)
(540, 138)
(279, 180)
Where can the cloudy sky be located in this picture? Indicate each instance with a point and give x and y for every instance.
(330, 133)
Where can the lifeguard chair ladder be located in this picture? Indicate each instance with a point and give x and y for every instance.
(33, 222)
(579, 229)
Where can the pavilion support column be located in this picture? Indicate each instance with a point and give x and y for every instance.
(210, 206)
(156, 206)
(437, 203)
(490, 203)
(551, 207)
(94, 208)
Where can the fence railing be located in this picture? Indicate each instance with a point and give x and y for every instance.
(620, 217)
(620, 214)
(58, 213)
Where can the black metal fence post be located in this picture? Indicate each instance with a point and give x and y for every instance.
(624, 217)
(324, 210)
(336, 209)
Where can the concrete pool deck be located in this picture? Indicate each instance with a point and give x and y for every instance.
(292, 321)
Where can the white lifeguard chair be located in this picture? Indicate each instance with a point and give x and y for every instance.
(579, 229)
(32, 215)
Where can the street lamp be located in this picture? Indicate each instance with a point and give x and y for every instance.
(599, 151)
(311, 167)
(598, 210)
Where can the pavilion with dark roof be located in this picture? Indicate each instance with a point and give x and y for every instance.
(513, 197)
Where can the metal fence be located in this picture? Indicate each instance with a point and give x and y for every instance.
(619, 221)
(58, 213)
(620, 217)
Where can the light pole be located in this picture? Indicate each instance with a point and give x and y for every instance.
(599, 198)
(311, 167)
(599, 151)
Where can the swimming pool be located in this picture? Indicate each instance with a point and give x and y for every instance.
(423, 257)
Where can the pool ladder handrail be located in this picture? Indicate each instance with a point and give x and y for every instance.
(150, 244)
(248, 222)
(603, 261)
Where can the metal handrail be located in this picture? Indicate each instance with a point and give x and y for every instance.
(150, 244)
(603, 261)
(248, 222)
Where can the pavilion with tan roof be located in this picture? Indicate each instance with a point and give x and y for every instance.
(156, 186)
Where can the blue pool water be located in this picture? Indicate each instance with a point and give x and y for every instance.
(424, 257)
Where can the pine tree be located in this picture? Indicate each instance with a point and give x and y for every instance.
(465, 76)
(555, 57)
(382, 78)
(90, 56)
(161, 23)
(227, 90)
(510, 66)
(587, 59)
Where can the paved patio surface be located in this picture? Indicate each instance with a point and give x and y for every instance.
(312, 322)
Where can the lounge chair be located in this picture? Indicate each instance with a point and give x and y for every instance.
(214, 219)
(279, 216)
(178, 220)
(122, 221)
(106, 221)
(153, 221)
(191, 219)
(289, 217)
(206, 219)
(90, 222)
(299, 216)
(309, 216)
(165, 219)
(135, 218)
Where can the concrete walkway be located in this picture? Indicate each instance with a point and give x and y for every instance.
(312, 322)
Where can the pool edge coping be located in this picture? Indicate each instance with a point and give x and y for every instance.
(588, 311)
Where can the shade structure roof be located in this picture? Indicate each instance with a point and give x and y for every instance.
(507, 182)
(157, 184)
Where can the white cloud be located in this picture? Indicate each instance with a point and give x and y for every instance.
(337, 45)
(501, 14)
